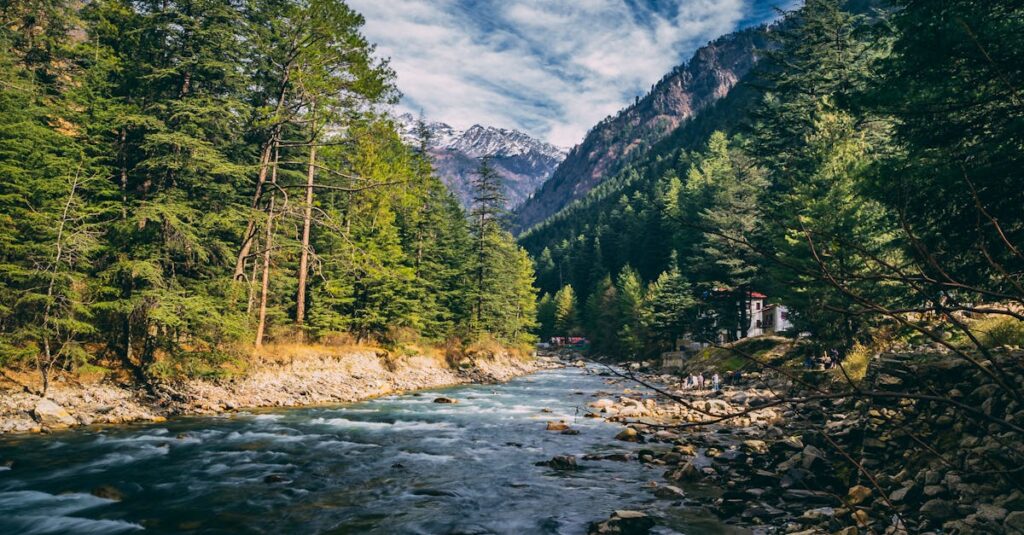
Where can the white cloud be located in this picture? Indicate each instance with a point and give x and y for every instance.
(551, 68)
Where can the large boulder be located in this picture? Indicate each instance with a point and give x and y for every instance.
(50, 414)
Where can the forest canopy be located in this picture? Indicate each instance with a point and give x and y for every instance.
(866, 175)
(183, 180)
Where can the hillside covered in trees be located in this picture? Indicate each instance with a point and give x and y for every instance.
(865, 175)
(205, 209)
(181, 181)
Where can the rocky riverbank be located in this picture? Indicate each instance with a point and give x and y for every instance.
(844, 465)
(312, 379)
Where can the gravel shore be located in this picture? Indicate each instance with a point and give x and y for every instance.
(311, 380)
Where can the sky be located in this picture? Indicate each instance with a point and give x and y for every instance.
(551, 68)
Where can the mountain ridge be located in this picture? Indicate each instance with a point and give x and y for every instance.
(522, 161)
(681, 95)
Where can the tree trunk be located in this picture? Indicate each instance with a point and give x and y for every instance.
(47, 364)
(744, 313)
(307, 217)
(252, 290)
(268, 246)
(250, 227)
(124, 174)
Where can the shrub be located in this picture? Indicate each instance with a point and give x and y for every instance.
(999, 331)
(211, 364)
(856, 363)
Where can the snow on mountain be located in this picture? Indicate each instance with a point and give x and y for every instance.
(523, 162)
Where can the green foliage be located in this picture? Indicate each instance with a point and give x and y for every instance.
(874, 172)
(546, 314)
(502, 295)
(198, 365)
(566, 320)
(999, 331)
(154, 158)
(669, 307)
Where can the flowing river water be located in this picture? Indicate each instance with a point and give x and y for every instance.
(399, 464)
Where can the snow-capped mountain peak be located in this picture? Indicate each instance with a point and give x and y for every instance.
(522, 162)
(479, 141)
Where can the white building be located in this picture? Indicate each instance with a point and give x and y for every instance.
(766, 318)
(775, 319)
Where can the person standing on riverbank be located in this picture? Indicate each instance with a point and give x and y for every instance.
(716, 382)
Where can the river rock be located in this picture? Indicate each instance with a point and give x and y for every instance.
(857, 494)
(938, 509)
(603, 403)
(623, 523)
(818, 514)
(860, 517)
(561, 462)
(628, 435)
(107, 492)
(756, 446)
(902, 493)
(557, 426)
(443, 399)
(686, 449)
(669, 492)
(50, 414)
(813, 458)
(665, 435)
(1014, 522)
(685, 472)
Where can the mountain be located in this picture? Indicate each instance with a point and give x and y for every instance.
(523, 162)
(680, 96)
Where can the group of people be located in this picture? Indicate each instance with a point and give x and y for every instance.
(831, 358)
(698, 382)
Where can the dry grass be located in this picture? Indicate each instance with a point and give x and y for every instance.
(996, 331)
(857, 362)
(288, 353)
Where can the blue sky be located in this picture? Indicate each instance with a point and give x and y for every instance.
(552, 68)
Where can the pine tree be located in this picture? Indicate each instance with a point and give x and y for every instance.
(669, 307)
(485, 216)
(601, 319)
(566, 321)
(951, 84)
(632, 334)
(49, 205)
(723, 190)
(815, 154)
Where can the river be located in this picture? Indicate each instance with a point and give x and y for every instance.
(399, 464)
